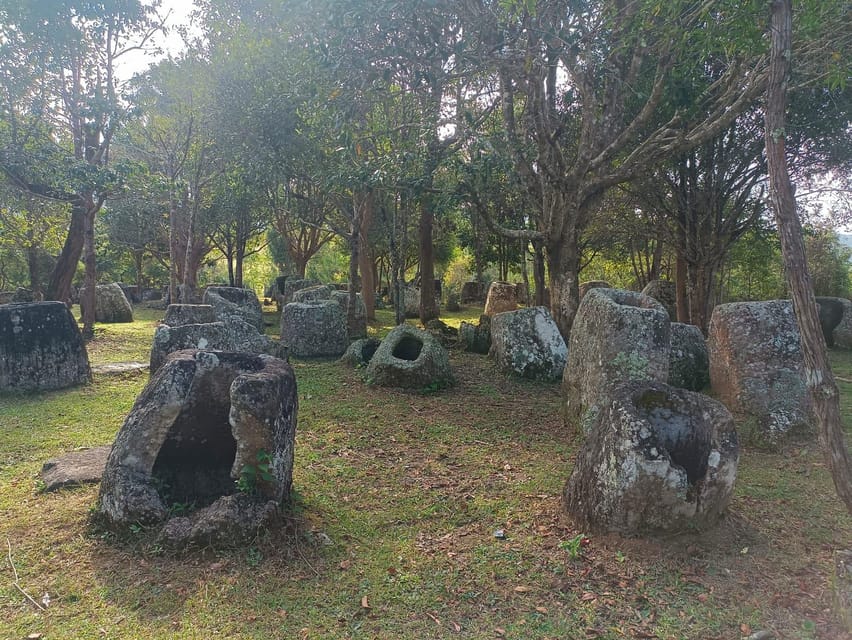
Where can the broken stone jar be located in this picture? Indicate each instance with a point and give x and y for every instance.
(658, 459)
(207, 449)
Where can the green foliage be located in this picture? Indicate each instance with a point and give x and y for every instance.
(252, 474)
(828, 262)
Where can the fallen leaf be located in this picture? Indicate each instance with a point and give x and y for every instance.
(35, 636)
(345, 564)
(500, 632)
(702, 597)
(365, 604)
(541, 609)
(434, 618)
(588, 596)
(456, 627)
(522, 589)
(746, 630)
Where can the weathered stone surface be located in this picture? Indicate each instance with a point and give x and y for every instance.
(23, 294)
(41, 348)
(314, 293)
(292, 285)
(111, 305)
(453, 303)
(501, 298)
(75, 468)
(231, 518)
(833, 312)
(476, 338)
(689, 364)
(585, 287)
(521, 293)
(657, 459)
(473, 292)
(360, 352)
(233, 302)
(527, 343)
(132, 292)
(116, 368)
(360, 328)
(445, 334)
(756, 367)
(617, 336)
(411, 359)
(664, 292)
(314, 329)
(206, 419)
(411, 300)
(178, 315)
(234, 335)
(841, 584)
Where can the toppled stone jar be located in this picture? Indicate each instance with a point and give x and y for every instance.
(206, 452)
(658, 459)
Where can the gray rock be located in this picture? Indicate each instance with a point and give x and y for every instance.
(314, 329)
(41, 348)
(234, 335)
(360, 328)
(360, 352)
(501, 298)
(476, 338)
(445, 334)
(617, 336)
(75, 469)
(411, 301)
(473, 292)
(527, 343)
(689, 364)
(313, 294)
(178, 315)
(233, 302)
(205, 420)
(835, 318)
(292, 285)
(585, 287)
(412, 359)
(111, 305)
(229, 519)
(664, 292)
(757, 370)
(657, 459)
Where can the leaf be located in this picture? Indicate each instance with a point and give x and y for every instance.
(365, 604)
(522, 589)
(588, 596)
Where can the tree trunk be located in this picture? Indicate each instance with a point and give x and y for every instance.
(188, 288)
(88, 301)
(138, 263)
(174, 249)
(358, 205)
(563, 262)
(428, 303)
(539, 276)
(32, 268)
(699, 291)
(818, 374)
(59, 287)
(365, 261)
(525, 276)
(680, 291)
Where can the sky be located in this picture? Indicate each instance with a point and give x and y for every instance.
(134, 62)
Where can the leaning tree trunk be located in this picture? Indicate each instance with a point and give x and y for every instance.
(699, 291)
(818, 375)
(538, 274)
(59, 287)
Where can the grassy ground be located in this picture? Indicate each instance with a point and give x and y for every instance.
(398, 499)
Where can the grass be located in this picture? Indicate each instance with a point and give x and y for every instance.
(392, 534)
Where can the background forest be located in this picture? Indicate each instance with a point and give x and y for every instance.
(393, 141)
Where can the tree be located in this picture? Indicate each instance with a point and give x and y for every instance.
(61, 108)
(573, 138)
(818, 374)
